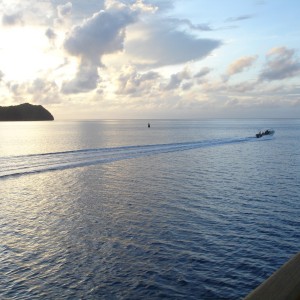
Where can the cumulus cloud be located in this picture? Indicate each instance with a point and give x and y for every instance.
(159, 43)
(177, 79)
(130, 81)
(281, 63)
(103, 33)
(44, 91)
(40, 90)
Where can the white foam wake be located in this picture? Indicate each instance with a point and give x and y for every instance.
(26, 164)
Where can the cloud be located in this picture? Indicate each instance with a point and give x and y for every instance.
(163, 5)
(64, 10)
(187, 86)
(50, 34)
(241, 64)
(203, 72)
(85, 80)
(26, 12)
(12, 19)
(78, 9)
(179, 22)
(44, 91)
(159, 43)
(101, 34)
(281, 63)
(242, 87)
(131, 82)
(40, 91)
(239, 18)
(177, 79)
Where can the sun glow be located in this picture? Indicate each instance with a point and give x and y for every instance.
(26, 53)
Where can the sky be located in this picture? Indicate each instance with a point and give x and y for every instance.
(150, 59)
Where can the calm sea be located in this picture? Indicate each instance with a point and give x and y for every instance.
(116, 210)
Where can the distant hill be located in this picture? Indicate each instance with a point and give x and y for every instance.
(25, 112)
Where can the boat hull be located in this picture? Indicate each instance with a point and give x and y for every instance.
(268, 132)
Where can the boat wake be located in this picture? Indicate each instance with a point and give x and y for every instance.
(34, 163)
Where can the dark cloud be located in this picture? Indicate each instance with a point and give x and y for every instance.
(162, 44)
(281, 63)
(50, 34)
(12, 19)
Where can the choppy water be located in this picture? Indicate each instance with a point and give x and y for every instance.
(114, 210)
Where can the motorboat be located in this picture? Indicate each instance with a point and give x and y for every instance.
(265, 132)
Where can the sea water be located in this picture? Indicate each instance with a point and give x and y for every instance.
(186, 209)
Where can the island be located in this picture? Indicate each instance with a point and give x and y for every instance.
(25, 112)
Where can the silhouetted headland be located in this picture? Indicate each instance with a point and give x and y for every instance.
(25, 112)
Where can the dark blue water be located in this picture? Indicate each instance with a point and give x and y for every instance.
(114, 210)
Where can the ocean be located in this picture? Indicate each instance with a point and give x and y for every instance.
(111, 209)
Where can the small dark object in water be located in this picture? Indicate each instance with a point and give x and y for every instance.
(148, 125)
(265, 132)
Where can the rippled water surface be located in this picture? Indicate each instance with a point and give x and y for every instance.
(114, 210)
